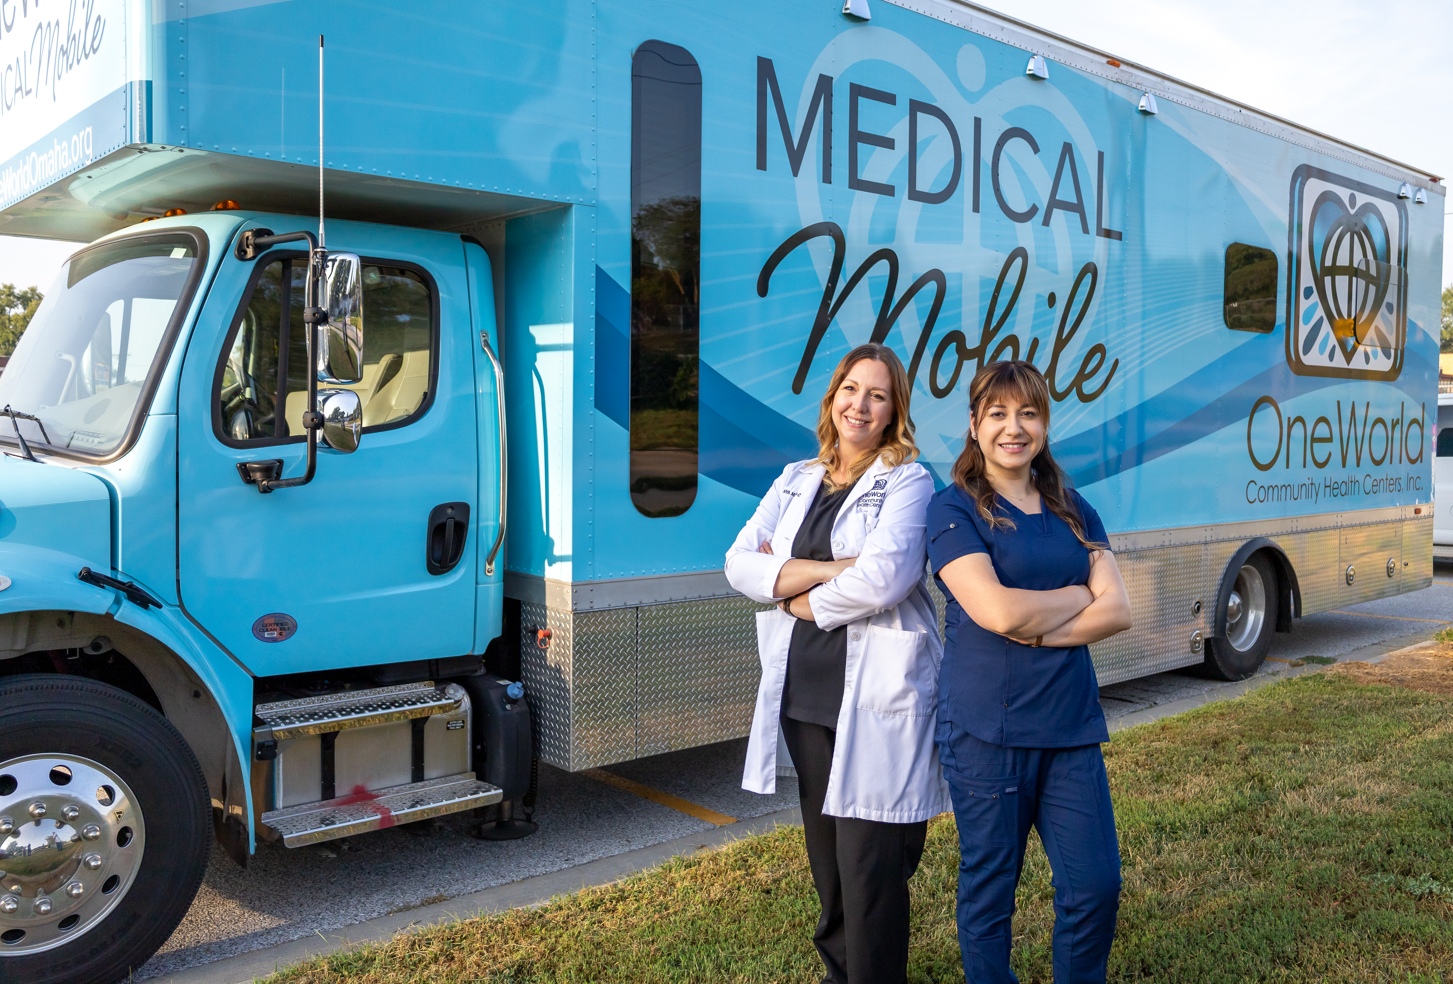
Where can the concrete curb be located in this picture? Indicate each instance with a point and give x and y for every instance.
(247, 967)
(1375, 653)
(253, 965)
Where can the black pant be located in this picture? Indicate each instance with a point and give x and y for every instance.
(860, 868)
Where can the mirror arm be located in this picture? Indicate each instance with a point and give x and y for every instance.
(252, 242)
(312, 315)
(499, 394)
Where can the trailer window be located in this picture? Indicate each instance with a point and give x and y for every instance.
(665, 277)
(1249, 301)
(266, 364)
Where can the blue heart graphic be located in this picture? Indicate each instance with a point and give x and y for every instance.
(1349, 251)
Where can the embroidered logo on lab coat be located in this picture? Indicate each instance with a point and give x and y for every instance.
(872, 500)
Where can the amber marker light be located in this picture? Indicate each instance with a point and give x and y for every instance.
(1112, 63)
(226, 205)
(173, 211)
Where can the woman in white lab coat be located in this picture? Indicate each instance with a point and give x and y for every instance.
(850, 660)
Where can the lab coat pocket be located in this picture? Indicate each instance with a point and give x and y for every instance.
(774, 636)
(897, 673)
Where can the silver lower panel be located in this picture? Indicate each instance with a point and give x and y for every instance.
(625, 683)
(621, 683)
(1165, 583)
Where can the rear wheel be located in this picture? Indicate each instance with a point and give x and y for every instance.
(1247, 618)
(104, 830)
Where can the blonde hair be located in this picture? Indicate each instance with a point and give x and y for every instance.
(992, 384)
(896, 446)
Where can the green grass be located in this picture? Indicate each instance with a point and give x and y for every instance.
(1302, 833)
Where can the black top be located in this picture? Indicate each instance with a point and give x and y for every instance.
(816, 661)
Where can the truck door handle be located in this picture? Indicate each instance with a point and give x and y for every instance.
(448, 532)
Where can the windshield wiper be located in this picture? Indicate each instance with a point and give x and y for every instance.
(25, 448)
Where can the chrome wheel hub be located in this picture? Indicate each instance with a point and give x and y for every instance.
(1246, 609)
(71, 842)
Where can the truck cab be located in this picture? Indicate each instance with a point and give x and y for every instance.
(307, 658)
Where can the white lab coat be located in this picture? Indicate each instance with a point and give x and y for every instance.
(885, 765)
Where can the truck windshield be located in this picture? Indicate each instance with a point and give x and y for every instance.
(86, 357)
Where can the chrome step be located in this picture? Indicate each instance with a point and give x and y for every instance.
(357, 709)
(313, 823)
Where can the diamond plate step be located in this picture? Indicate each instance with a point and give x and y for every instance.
(358, 708)
(313, 823)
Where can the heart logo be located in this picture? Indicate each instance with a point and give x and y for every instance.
(1350, 249)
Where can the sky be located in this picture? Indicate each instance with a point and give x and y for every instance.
(1377, 74)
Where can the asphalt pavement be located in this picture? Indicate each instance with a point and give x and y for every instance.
(285, 895)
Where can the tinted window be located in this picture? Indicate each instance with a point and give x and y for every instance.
(1250, 288)
(266, 364)
(665, 277)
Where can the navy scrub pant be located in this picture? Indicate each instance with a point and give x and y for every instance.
(1064, 793)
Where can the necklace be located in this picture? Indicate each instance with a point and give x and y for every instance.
(1017, 498)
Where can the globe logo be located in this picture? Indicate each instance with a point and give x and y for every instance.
(1350, 248)
(1347, 285)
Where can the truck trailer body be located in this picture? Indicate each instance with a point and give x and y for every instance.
(584, 273)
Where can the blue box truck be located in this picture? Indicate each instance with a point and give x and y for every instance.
(316, 524)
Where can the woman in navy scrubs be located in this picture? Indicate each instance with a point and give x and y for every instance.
(1030, 581)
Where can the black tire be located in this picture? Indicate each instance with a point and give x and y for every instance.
(1238, 646)
(77, 720)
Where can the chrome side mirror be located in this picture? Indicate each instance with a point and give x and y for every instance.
(340, 339)
(342, 412)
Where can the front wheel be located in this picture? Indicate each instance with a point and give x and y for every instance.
(104, 830)
(1248, 616)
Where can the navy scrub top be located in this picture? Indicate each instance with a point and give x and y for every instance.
(996, 689)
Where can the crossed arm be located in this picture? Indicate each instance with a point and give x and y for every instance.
(797, 577)
(1065, 617)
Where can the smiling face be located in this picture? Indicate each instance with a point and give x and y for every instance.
(862, 407)
(1009, 431)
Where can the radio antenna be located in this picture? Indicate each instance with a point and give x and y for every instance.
(322, 242)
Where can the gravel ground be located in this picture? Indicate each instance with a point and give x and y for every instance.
(287, 894)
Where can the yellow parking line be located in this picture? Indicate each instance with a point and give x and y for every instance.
(656, 796)
(1400, 618)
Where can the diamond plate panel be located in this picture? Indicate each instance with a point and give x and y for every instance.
(1314, 557)
(940, 603)
(1417, 553)
(617, 684)
(1368, 549)
(547, 678)
(604, 698)
(697, 673)
(1164, 585)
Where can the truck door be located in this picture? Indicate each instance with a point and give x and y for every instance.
(334, 573)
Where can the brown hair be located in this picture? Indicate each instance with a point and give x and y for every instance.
(991, 385)
(897, 445)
